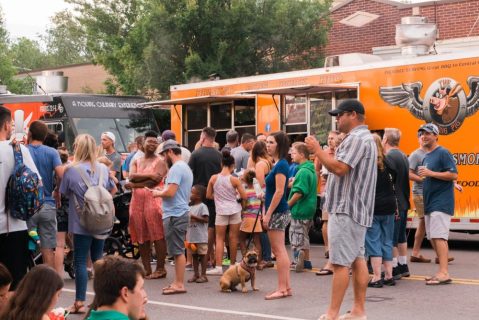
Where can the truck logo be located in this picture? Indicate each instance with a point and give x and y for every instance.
(445, 103)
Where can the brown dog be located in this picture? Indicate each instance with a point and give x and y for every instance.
(240, 273)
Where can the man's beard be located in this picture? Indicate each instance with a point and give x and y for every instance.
(168, 161)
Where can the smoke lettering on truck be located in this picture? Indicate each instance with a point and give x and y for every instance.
(466, 159)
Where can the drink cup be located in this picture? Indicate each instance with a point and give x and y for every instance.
(420, 169)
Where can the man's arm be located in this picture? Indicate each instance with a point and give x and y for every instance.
(169, 192)
(414, 177)
(445, 176)
(334, 166)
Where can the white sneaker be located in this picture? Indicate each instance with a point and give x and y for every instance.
(218, 271)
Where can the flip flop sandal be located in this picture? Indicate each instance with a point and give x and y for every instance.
(276, 295)
(171, 291)
(77, 308)
(156, 275)
(202, 280)
(434, 281)
(194, 279)
(324, 272)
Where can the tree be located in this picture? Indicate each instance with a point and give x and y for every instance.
(157, 43)
(65, 40)
(27, 55)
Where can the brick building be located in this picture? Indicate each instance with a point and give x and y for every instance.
(82, 78)
(360, 25)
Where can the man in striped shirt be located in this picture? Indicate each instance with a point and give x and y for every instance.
(349, 197)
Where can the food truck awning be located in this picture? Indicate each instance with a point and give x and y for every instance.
(303, 89)
(165, 104)
(25, 98)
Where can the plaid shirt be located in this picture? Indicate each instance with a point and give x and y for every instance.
(353, 193)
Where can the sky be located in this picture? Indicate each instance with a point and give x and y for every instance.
(28, 18)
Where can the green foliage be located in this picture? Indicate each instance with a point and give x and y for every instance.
(157, 43)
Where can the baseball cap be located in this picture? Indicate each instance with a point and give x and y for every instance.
(348, 105)
(109, 135)
(429, 127)
(168, 135)
(170, 144)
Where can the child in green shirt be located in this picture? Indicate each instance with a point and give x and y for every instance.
(302, 201)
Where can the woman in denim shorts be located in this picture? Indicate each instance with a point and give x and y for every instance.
(277, 215)
(379, 237)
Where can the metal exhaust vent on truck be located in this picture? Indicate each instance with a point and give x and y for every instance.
(415, 35)
(51, 82)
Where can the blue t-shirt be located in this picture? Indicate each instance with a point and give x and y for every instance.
(281, 167)
(181, 175)
(46, 159)
(439, 194)
(126, 164)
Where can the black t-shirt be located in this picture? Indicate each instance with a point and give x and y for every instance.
(385, 200)
(400, 165)
(205, 162)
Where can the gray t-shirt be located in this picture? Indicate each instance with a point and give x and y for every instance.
(197, 231)
(241, 158)
(415, 160)
(115, 157)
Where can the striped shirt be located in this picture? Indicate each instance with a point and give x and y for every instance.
(253, 204)
(353, 193)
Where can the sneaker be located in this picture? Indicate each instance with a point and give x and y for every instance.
(397, 275)
(404, 270)
(308, 265)
(269, 264)
(218, 271)
(375, 284)
(389, 282)
(226, 262)
(300, 263)
(189, 267)
(292, 266)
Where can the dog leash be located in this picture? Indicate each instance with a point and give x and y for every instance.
(254, 225)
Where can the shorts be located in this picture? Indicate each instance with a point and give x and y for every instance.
(175, 234)
(45, 221)
(279, 221)
(400, 228)
(226, 220)
(419, 204)
(346, 239)
(201, 249)
(14, 254)
(379, 237)
(248, 223)
(299, 234)
(211, 213)
(437, 225)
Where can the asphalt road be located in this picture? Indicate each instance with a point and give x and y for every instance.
(409, 299)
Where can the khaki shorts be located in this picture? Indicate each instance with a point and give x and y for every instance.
(201, 249)
(248, 223)
(419, 204)
(226, 220)
(437, 225)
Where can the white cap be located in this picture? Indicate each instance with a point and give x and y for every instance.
(109, 135)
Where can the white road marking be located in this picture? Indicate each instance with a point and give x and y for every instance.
(183, 306)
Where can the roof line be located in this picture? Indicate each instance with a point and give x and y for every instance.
(398, 4)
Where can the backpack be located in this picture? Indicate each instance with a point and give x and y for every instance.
(25, 195)
(98, 211)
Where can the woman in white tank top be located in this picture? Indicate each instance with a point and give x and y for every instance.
(224, 189)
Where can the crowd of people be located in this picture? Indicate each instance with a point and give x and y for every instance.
(200, 207)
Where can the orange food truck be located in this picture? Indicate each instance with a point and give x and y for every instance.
(398, 93)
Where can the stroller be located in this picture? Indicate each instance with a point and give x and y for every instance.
(119, 241)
